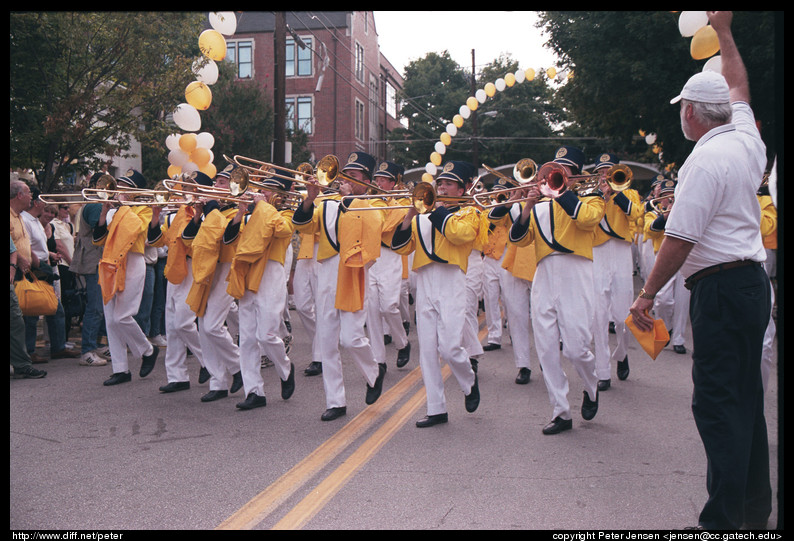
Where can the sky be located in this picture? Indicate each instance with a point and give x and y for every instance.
(409, 35)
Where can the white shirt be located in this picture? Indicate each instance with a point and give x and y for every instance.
(715, 207)
(38, 238)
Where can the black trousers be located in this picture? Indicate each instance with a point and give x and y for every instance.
(729, 312)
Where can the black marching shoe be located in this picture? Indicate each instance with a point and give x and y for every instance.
(623, 368)
(680, 349)
(174, 386)
(333, 413)
(237, 382)
(523, 375)
(252, 401)
(473, 398)
(288, 385)
(490, 347)
(313, 369)
(404, 355)
(214, 395)
(147, 365)
(604, 384)
(431, 420)
(589, 407)
(204, 375)
(118, 377)
(386, 339)
(373, 393)
(557, 425)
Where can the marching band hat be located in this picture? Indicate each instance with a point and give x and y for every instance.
(201, 178)
(570, 156)
(361, 161)
(668, 186)
(657, 179)
(460, 172)
(605, 160)
(133, 179)
(275, 183)
(705, 87)
(390, 170)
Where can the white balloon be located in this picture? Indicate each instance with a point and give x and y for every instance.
(500, 84)
(205, 140)
(690, 22)
(172, 141)
(440, 147)
(187, 117)
(224, 22)
(520, 76)
(178, 157)
(464, 111)
(430, 168)
(452, 129)
(713, 64)
(189, 167)
(650, 138)
(480, 95)
(206, 73)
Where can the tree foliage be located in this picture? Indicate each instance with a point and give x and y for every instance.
(83, 84)
(628, 65)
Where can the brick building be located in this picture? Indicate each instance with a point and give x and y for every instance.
(339, 88)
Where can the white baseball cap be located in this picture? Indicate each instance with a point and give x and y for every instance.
(706, 87)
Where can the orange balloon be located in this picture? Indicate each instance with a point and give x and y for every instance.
(198, 95)
(200, 156)
(209, 169)
(173, 170)
(187, 142)
(704, 43)
(212, 44)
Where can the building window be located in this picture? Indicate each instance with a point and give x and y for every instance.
(299, 113)
(359, 63)
(359, 120)
(391, 100)
(241, 53)
(299, 60)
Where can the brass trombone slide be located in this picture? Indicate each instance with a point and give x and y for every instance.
(423, 199)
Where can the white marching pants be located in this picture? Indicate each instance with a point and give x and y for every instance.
(304, 292)
(492, 294)
(122, 330)
(338, 329)
(471, 329)
(516, 295)
(439, 328)
(614, 295)
(562, 309)
(261, 315)
(181, 332)
(671, 305)
(384, 287)
(221, 354)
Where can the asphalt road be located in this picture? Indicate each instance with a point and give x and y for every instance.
(88, 457)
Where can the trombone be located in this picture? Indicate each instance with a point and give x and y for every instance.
(423, 199)
(657, 206)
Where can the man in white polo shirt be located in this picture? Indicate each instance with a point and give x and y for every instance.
(713, 236)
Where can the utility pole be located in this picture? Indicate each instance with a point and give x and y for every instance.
(279, 91)
(474, 115)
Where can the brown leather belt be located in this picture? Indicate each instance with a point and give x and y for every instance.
(714, 269)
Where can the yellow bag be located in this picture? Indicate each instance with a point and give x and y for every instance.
(36, 297)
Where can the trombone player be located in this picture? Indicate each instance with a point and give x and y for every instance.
(562, 228)
(612, 271)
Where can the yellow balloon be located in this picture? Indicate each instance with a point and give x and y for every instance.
(551, 73)
(212, 44)
(209, 169)
(704, 43)
(187, 142)
(200, 156)
(530, 74)
(174, 170)
(457, 120)
(642, 132)
(446, 138)
(198, 95)
(472, 103)
(427, 177)
(510, 79)
(435, 157)
(490, 89)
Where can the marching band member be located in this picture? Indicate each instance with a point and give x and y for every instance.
(385, 277)
(122, 272)
(562, 290)
(304, 293)
(474, 286)
(519, 270)
(208, 298)
(180, 321)
(257, 280)
(769, 235)
(493, 295)
(441, 242)
(341, 281)
(646, 252)
(612, 276)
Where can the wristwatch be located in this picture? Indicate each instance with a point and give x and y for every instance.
(645, 295)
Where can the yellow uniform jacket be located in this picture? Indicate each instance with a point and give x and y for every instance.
(170, 235)
(768, 221)
(620, 214)
(564, 225)
(520, 261)
(125, 233)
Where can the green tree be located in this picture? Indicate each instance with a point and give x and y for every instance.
(628, 65)
(85, 83)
